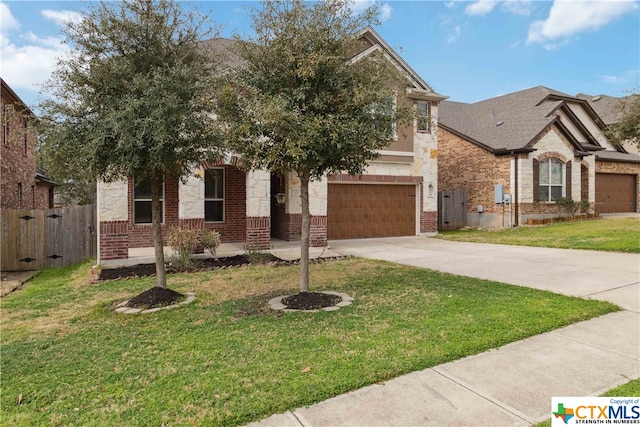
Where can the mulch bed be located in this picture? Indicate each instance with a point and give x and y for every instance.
(155, 297)
(310, 301)
(145, 270)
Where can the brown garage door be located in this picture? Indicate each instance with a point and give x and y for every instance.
(371, 210)
(615, 193)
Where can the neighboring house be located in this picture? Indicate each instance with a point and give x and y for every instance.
(538, 143)
(608, 108)
(23, 185)
(396, 196)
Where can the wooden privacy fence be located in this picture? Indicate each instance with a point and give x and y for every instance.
(452, 210)
(51, 238)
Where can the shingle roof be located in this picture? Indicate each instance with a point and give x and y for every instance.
(510, 121)
(616, 156)
(606, 106)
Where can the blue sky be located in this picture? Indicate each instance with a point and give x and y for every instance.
(467, 50)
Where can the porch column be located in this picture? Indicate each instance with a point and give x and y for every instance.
(191, 203)
(258, 210)
(113, 220)
(318, 191)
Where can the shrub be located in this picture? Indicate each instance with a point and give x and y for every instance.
(567, 205)
(210, 241)
(584, 206)
(183, 241)
(256, 256)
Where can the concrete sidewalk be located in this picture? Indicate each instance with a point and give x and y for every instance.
(512, 385)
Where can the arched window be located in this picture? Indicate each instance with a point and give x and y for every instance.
(551, 180)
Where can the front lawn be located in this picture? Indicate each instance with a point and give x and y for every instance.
(227, 359)
(611, 234)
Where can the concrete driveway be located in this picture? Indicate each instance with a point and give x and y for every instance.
(607, 276)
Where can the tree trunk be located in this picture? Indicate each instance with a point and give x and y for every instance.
(156, 220)
(304, 236)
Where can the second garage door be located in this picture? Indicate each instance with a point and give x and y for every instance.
(615, 193)
(370, 210)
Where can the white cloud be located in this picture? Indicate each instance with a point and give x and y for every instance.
(568, 18)
(7, 21)
(518, 7)
(61, 17)
(621, 79)
(28, 59)
(450, 4)
(385, 12)
(454, 36)
(481, 7)
(384, 8)
(28, 66)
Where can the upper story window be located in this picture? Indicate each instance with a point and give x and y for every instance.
(142, 202)
(551, 175)
(6, 109)
(383, 113)
(214, 195)
(424, 116)
(25, 130)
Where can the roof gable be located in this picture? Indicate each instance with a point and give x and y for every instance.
(514, 121)
(377, 44)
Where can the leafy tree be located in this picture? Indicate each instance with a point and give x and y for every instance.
(133, 98)
(301, 102)
(627, 129)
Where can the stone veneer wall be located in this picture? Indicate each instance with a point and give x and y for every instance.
(258, 210)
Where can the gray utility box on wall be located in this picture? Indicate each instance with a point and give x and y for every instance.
(499, 192)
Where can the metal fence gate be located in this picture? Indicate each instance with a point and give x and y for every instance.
(452, 210)
(51, 238)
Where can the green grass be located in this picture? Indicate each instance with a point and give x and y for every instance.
(630, 389)
(611, 234)
(227, 360)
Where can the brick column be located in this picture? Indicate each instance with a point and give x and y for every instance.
(428, 222)
(258, 233)
(318, 231)
(114, 240)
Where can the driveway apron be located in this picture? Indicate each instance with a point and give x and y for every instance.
(607, 276)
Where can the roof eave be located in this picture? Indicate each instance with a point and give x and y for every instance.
(424, 95)
(494, 151)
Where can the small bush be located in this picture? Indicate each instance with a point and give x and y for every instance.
(210, 241)
(183, 241)
(567, 205)
(256, 256)
(585, 206)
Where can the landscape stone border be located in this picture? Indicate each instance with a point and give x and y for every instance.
(121, 308)
(276, 303)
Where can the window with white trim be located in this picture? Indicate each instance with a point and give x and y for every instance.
(423, 116)
(551, 175)
(214, 195)
(142, 202)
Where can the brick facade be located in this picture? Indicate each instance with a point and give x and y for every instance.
(463, 165)
(116, 241)
(258, 235)
(19, 186)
